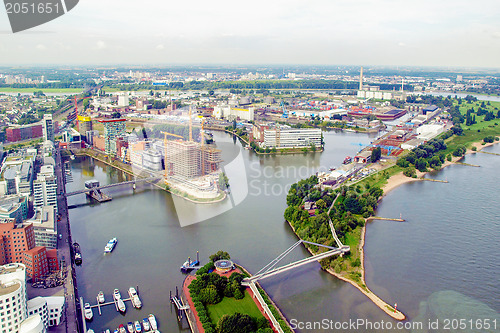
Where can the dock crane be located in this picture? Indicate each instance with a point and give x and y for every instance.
(165, 134)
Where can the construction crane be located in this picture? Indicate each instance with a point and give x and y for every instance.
(76, 106)
(285, 112)
(165, 134)
(202, 134)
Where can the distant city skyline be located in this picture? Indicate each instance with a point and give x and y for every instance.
(324, 32)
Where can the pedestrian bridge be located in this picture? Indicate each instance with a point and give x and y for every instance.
(130, 182)
(271, 269)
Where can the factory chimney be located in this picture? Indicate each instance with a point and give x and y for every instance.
(361, 79)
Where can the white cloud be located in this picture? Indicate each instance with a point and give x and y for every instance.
(41, 47)
(101, 45)
(278, 31)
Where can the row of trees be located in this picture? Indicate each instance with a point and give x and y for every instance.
(347, 214)
(427, 155)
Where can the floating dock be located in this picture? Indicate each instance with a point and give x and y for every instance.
(190, 265)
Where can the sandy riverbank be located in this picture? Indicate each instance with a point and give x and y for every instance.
(392, 183)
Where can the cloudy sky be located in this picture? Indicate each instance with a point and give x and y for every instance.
(330, 32)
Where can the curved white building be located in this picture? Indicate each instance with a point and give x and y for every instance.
(33, 324)
(12, 297)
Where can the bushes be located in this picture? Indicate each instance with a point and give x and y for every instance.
(460, 151)
(489, 139)
(410, 172)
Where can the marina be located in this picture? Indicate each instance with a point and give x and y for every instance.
(149, 323)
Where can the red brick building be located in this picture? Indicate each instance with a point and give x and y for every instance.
(35, 260)
(14, 240)
(52, 259)
(26, 132)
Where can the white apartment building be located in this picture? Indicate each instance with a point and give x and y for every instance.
(48, 128)
(45, 227)
(50, 309)
(17, 314)
(292, 137)
(12, 297)
(45, 188)
(231, 113)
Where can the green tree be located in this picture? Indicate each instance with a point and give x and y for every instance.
(220, 255)
(421, 164)
(236, 323)
(376, 154)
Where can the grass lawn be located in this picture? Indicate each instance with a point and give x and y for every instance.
(231, 305)
(45, 90)
(478, 131)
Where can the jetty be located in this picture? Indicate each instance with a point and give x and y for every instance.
(385, 219)
(467, 164)
(487, 152)
(434, 180)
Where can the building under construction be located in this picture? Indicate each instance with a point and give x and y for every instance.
(188, 159)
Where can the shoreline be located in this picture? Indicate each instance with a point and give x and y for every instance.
(384, 306)
(130, 173)
(392, 183)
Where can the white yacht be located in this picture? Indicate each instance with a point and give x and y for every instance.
(152, 321)
(88, 311)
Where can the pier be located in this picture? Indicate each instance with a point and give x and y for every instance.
(434, 180)
(467, 164)
(176, 300)
(487, 152)
(386, 219)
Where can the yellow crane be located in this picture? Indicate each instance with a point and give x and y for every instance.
(165, 134)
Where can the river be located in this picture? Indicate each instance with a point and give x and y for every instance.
(153, 244)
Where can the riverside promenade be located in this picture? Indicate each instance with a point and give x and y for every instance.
(64, 251)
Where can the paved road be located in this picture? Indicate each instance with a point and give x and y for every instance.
(64, 255)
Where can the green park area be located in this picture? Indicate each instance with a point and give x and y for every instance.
(230, 306)
(45, 90)
(224, 305)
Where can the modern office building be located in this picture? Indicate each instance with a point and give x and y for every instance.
(15, 239)
(13, 309)
(49, 308)
(35, 260)
(231, 113)
(17, 177)
(24, 132)
(151, 160)
(113, 129)
(17, 314)
(45, 227)
(14, 207)
(48, 128)
(188, 160)
(84, 125)
(292, 137)
(45, 188)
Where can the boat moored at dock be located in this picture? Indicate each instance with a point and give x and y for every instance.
(152, 321)
(88, 311)
(145, 324)
(134, 298)
(100, 297)
(137, 327)
(77, 253)
(190, 265)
